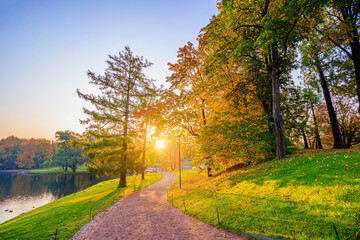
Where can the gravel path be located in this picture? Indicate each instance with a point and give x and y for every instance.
(146, 214)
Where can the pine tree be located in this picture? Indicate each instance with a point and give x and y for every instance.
(123, 87)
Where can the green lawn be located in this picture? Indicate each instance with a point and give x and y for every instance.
(55, 170)
(298, 198)
(70, 213)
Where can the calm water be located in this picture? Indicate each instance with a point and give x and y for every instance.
(21, 193)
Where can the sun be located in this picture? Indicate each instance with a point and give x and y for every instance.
(160, 144)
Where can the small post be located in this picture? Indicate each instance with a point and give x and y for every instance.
(184, 204)
(179, 164)
(337, 235)
(217, 213)
(55, 234)
(90, 214)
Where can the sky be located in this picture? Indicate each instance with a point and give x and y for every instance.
(47, 46)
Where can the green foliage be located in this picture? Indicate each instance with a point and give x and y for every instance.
(65, 155)
(297, 198)
(234, 138)
(105, 153)
(124, 88)
(295, 110)
(70, 213)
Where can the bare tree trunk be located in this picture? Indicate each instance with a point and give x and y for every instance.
(279, 132)
(338, 141)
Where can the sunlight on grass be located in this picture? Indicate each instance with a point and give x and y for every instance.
(298, 197)
(70, 213)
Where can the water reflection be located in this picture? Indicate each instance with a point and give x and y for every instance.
(21, 193)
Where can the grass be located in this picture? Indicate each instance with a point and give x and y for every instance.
(54, 170)
(299, 197)
(68, 214)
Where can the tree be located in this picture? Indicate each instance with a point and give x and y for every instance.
(146, 117)
(315, 57)
(12, 146)
(341, 28)
(313, 99)
(43, 153)
(349, 120)
(66, 155)
(185, 101)
(266, 32)
(295, 113)
(25, 158)
(3, 157)
(123, 87)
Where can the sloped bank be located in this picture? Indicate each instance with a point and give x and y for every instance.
(65, 216)
(305, 196)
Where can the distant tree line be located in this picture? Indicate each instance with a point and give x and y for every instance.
(24, 153)
(20, 153)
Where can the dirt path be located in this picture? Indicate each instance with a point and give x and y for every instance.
(146, 214)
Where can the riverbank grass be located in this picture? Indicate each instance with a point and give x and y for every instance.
(67, 215)
(301, 197)
(50, 170)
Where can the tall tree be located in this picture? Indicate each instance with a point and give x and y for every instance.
(315, 57)
(313, 100)
(123, 87)
(186, 98)
(342, 28)
(267, 32)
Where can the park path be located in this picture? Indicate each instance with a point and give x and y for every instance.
(146, 214)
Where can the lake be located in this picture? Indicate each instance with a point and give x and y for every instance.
(21, 192)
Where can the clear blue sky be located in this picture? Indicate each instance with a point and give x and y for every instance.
(46, 47)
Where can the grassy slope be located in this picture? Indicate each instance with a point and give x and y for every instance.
(70, 213)
(299, 197)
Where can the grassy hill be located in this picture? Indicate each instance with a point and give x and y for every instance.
(65, 216)
(300, 197)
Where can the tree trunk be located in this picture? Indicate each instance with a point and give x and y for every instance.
(143, 157)
(338, 141)
(355, 50)
(143, 175)
(208, 172)
(122, 182)
(172, 166)
(317, 134)
(279, 132)
(203, 111)
(204, 124)
(268, 111)
(73, 167)
(306, 146)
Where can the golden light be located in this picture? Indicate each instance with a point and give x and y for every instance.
(160, 144)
